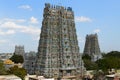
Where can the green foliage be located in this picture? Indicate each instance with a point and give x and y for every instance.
(90, 65)
(102, 64)
(2, 69)
(20, 72)
(17, 58)
(86, 56)
(109, 61)
(113, 54)
(103, 54)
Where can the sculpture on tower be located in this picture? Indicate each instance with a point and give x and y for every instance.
(58, 52)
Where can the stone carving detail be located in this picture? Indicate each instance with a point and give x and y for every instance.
(58, 44)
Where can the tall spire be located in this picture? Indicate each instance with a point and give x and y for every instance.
(58, 51)
(92, 47)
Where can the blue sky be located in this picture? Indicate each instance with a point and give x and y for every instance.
(20, 22)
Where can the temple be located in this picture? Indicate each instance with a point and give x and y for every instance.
(92, 47)
(58, 52)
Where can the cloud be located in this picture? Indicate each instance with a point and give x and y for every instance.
(80, 40)
(31, 30)
(33, 20)
(14, 20)
(12, 26)
(2, 41)
(96, 31)
(26, 7)
(36, 38)
(8, 32)
(21, 28)
(83, 19)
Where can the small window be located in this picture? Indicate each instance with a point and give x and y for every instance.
(68, 65)
(64, 29)
(66, 49)
(67, 56)
(65, 42)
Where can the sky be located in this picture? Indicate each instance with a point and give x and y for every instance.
(20, 22)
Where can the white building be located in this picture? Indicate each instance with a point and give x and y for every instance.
(5, 56)
(9, 77)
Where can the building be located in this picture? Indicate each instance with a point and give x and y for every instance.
(92, 47)
(58, 52)
(8, 64)
(35, 77)
(19, 50)
(5, 56)
(9, 77)
(29, 62)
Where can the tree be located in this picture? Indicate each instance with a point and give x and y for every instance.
(109, 61)
(113, 54)
(102, 64)
(2, 69)
(86, 56)
(88, 63)
(20, 72)
(17, 58)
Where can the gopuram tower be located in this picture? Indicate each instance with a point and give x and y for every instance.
(92, 47)
(58, 52)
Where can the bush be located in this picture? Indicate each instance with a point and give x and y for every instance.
(17, 58)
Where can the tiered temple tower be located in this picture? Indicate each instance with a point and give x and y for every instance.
(29, 62)
(19, 50)
(58, 52)
(92, 47)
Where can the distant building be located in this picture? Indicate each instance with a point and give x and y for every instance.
(92, 47)
(5, 56)
(29, 62)
(19, 50)
(8, 64)
(58, 52)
